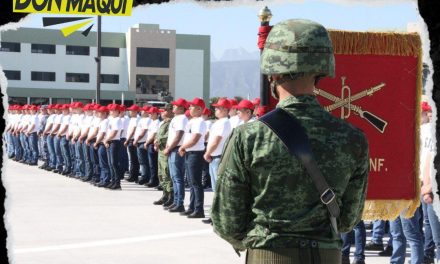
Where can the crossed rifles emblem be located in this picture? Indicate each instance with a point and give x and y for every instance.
(345, 103)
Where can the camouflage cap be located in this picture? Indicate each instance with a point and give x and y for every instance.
(298, 45)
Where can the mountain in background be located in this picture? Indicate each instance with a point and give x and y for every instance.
(236, 73)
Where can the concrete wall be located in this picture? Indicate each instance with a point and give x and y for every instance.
(189, 73)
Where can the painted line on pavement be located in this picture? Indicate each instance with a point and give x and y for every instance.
(111, 242)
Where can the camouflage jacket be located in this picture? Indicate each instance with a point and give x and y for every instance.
(264, 197)
(162, 134)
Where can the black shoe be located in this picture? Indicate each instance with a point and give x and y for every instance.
(207, 221)
(197, 215)
(345, 260)
(187, 212)
(152, 184)
(131, 179)
(162, 199)
(177, 209)
(374, 246)
(33, 164)
(115, 186)
(159, 187)
(428, 260)
(56, 171)
(22, 161)
(109, 185)
(387, 252)
(358, 262)
(86, 179)
(44, 166)
(49, 169)
(168, 207)
(65, 173)
(142, 182)
(101, 184)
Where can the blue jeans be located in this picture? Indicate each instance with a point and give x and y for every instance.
(429, 245)
(403, 229)
(194, 167)
(44, 149)
(213, 168)
(18, 149)
(177, 172)
(79, 156)
(378, 232)
(10, 143)
(72, 157)
(51, 149)
(113, 160)
(59, 155)
(25, 145)
(134, 161)
(152, 161)
(360, 238)
(33, 144)
(435, 228)
(65, 150)
(144, 166)
(123, 161)
(95, 161)
(88, 166)
(103, 164)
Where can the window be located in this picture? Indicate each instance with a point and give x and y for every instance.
(77, 77)
(17, 100)
(152, 84)
(61, 100)
(110, 52)
(10, 46)
(12, 75)
(77, 50)
(39, 100)
(84, 101)
(109, 78)
(43, 76)
(152, 57)
(43, 48)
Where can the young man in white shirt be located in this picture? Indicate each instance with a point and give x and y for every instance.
(85, 127)
(176, 162)
(149, 146)
(24, 122)
(18, 149)
(63, 131)
(233, 117)
(132, 150)
(193, 148)
(140, 136)
(31, 133)
(58, 120)
(102, 150)
(44, 152)
(49, 138)
(79, 157)
(218, 135)
(205, 171)
(123, 161)
(245, 111)
(90, 141)
(112, 143)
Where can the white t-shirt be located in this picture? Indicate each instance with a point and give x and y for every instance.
(58, 120)
(195, 126)
(152, 128)
(235, 121)
(86, 123)
(33, 120)
(132, 124)
(115, 124)
(222, 128)
(95, 124)
(178, 123)
(125, 122)
(78, 122)
(50, 120)
(103, 126)
(143, 123)
(66, 122)
(427, 145)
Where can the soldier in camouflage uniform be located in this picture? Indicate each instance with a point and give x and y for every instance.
(163, 169)
(265, 201)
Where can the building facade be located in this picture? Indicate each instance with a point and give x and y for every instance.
(144, 64)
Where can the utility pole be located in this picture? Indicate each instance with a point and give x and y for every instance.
(98, 63)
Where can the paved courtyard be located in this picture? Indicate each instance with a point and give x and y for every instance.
(52, 219)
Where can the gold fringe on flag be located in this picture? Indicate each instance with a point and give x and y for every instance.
(393, 44)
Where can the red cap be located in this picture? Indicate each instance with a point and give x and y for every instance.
(88, 107)
(187, 113)
(261, 110)
(198, 102)
(153, 110)
(162, 110)
(32, 107)
(256, 101)
(96, 107)
(233, 102)
(114, 107)
(145, 108)
(245, 104)
(426, 107)
(180, 102)
(134, 108)
(102, 109)
(223, 102)
(206, 111)
(122, 108)
(58, 106)
(65, 106)
(77, 105)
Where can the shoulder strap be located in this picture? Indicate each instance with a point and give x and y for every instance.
(294, 137)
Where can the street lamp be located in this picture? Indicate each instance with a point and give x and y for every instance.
(264, 15)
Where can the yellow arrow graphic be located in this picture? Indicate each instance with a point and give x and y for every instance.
(70, 29)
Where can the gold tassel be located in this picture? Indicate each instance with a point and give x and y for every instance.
(393, 44)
